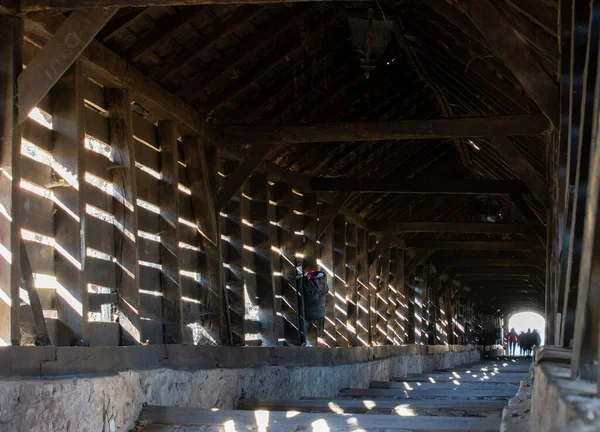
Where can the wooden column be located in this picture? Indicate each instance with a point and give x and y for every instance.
(396, 272)
(310, 252)
(11, 64)
(339, 281)
(363, 304)
(118, 104)
(66, 100)
(352, 283)
(400, 320)
(383, 296)
(232, 280)
(326, 263)
(169, 239)
(374, 268)
(256, 255)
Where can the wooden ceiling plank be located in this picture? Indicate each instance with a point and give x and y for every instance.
(511, 49)
(176, 62)
(474, 245)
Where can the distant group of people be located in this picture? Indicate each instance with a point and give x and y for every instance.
(524, 340)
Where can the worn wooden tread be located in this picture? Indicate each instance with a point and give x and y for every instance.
(422, 394)
(481, 385)
(357, 405)
(283, 422)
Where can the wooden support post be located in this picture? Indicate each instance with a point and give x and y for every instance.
(232, 278)
(383, 296)
(374, 269)
(363, 304)
(256, 256)
(11, 64)
(202, 194)
(384, 243)
(310, 253)
(391, 329)
(57, 55)
(66, 99)
(233, 183)
(339, 281)
(326, 264)
(352, 282)
(298, 244)
(169, 238)
(118, 105)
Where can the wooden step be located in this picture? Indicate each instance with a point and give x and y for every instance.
(359, 406)
(481, 385)
(273, 421)
(467, 380)
(425, 394)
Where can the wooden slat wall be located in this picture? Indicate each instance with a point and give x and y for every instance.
(148, 275)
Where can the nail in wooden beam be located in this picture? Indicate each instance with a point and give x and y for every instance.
(57, 55)
(41, 331)
(118, 105)
(68, 126)
(11, 63)
(326, 218)
(169, 239)
(202, 195)
(235, 181)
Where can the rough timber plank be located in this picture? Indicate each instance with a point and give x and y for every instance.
(280, 421)
(425, 394)
(11, 34)
(57, 55)
(489, 126)
(358, 405)
(118, 104)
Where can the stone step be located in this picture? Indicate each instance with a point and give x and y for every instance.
(190, 419)
(426, 394)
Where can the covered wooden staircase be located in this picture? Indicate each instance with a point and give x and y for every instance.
(466, 398)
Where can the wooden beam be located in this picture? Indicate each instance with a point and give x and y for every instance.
(422, 255)
(41, 331)
(42, 5)
(168, 200)
(475, 245)
(486, 126)
(446, 227)
(541, 14)
(202, 193)
(523, 168)
(57, 55)
(118, 106)
(242, 172)
(398, 185)
(327, 217)
(511, 49)
(524, 271)
(68, 132)
(11, 64)
(489, 262)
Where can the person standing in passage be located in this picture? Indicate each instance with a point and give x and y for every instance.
(527, 342)
(513, 340)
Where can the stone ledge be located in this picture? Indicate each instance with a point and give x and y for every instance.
(59, 361)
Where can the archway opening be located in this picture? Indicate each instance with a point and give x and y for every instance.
(524, 321)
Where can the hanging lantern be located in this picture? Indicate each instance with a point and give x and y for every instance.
(370, 38)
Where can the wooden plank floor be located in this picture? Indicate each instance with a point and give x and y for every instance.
(414, 403)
